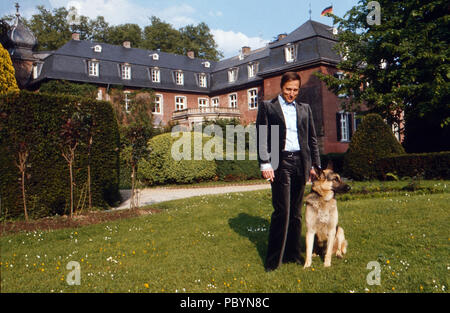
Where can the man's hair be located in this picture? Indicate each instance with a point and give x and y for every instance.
(288, 76)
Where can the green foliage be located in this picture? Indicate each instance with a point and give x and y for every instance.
(401, 63)
(7, 73)
(229, 170)
(41, 117)
(427, 165)
(160, 167)
(52, 31)
(69, 88)
(372, 140)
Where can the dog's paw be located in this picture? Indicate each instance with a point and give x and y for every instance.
(339, 254)
(307, 264)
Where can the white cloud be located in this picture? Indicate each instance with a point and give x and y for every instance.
(122, 11)
(230, 42)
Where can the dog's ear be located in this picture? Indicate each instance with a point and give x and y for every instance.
(330, 165)
(318, 170)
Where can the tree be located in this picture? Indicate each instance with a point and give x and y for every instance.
(162, 36)
(200, 40)
(398, 66)
(7, 73)
(116, 35)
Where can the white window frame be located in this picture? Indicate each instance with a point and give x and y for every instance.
(345, 126)
(158, 104)
(202, 81)
(99, 94)
(203, 102)
(35, 71)
(233, 100)
(179, 78)
(340, 75)
(215, 102)
(97, 48)
(125, 70)
(93, 68)
(155, 74)
(252, 69)
(180, 105)
(290, 53)
(252, 96)
(232, 74)
(127, 100)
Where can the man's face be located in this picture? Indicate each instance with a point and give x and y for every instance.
(290, 90)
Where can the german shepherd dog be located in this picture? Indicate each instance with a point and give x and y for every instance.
(322, 231)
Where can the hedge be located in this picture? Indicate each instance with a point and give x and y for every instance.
(434, 165)
(161, 168)
(40, 117)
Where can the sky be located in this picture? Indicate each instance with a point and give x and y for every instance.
(234, 23)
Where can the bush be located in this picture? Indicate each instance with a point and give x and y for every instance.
(36, 119)
(7, 73)
(230, 170)
(429, 165)
(372, 140)
(161, 168)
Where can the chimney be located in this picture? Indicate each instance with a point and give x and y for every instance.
(246, 50)
(75, 36)
(191, 54)
(281, 36)
(127, 44)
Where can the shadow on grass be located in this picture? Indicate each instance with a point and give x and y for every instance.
(255, 228)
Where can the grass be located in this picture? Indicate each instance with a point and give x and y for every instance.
(218, 244)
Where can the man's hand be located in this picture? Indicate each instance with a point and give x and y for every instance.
(312, 174)
(268, 174)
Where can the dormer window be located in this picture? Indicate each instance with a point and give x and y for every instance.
(155, 56)
(252, 69)
(202, 81)
(290, 53)
(126, 71)
(97, 48)
(156, 75)
(93, 66)
(179, 78)
(206, 64)
(232, 74)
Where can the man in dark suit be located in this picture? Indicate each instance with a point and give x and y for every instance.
(287, 149)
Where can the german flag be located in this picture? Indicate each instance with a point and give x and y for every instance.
(327, 10)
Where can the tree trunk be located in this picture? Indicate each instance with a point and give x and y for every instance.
(24, 196)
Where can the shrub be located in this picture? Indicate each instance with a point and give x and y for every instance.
(429, 165)
(161, 168)
(41, 116)
(372, 140)
(229, 170)
(7, 73)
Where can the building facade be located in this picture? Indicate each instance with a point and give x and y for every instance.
(189, 90)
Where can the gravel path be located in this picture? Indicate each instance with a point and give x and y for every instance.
(155, 195)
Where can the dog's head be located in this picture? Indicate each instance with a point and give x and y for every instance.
(327, 182)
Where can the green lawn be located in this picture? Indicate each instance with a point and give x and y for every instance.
(218, 244)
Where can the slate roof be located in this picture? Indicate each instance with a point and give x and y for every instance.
(314, 43)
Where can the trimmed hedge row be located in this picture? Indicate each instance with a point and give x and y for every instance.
(434, 165)
(40, 117)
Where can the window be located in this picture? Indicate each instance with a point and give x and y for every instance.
(158, 102)
(202, 80)
(180, 103)
(179, 78)
(206, 64)
(99, 94)
(340, 76)
(155, 56)
(126, 71)
(215, 102)
(202, 102)
(252, 95)
(252, 69)
(98, 48)
(93, 68)
(289, 53)
(156, 75)
(232, 75)
(232, 100)
(127, 101)
(344, 126)
(35, 71)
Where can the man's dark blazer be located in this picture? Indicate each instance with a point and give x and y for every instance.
(270, 113)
